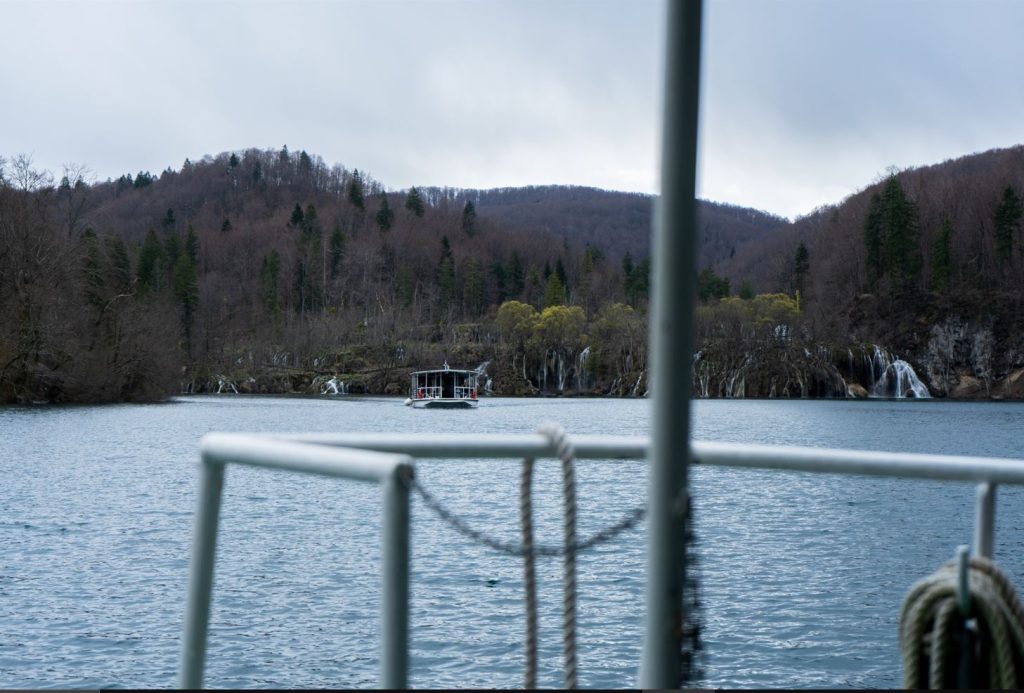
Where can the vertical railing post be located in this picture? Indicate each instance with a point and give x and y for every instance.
(984, 519)
(200, 582)
(395, 588)
(674, 275)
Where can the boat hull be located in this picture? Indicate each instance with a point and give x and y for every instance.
(444, 403)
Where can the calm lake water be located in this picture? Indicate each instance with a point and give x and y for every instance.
(801, 575)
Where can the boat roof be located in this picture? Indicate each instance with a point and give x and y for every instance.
(446, 370)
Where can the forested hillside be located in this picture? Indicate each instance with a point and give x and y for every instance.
(927, 261)
(264, 270)
(270, 271)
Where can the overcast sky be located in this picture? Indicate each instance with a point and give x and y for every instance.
(803, 103)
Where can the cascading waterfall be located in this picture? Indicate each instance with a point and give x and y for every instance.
(223, 382)
(581, 373)
(483, 380)
(894, 378)
(561, 371)
(335, 387)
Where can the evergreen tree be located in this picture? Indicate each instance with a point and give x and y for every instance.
(120, 265)
(414, 202)
(942, 256)
(554, 291)
(384, 216)
(560, 271)
(92, 269)
(445, 276)
(337, 250)
(500, 282)
(269, 271)
(1008, 215)
(469, 218)
(710, 285)
(297, 216)
(168, 222)
(801, 266)
(472, 288)
(900, 243)
(355, 191)
(226, 226)
(516, 275)
(192, 245)
(257, 172)
(151, 259)
(746, 291)
(186, 290)
(233, 161)
(873, 241)
(310, 224)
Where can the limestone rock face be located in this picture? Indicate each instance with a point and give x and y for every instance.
(856, 391)
(1012, 386)
(968, 387)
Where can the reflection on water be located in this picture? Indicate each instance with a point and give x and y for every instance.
(801, 575)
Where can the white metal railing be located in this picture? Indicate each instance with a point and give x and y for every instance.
(428, 392)
(387, 459)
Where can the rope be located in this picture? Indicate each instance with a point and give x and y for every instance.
(567, 454)
(529, 574)
(556, 434)
(992, 631)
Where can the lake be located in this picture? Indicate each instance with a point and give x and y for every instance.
(801, 575)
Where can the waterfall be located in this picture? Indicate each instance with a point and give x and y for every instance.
(561, 371)
(223, 382)
(481, 372)
(335, 387)
(636, 387)
(581, 365)
(894, 378)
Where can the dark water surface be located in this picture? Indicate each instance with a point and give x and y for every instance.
(801, 575)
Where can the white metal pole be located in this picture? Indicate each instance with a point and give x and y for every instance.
(200, 583)
(674, 274)
(984, 519)
(395, 587)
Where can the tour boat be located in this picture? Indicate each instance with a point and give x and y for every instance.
(443, 388)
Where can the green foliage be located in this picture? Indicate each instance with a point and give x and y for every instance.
(1007, 218)
(384, 216)
(515, 321)
(226, 226)
(142, 180)
(168, 221)
(469, 218)
(710, 285)
(297, 216)
(233, 161)
(560, 328)
(414, 202)
(942, 256)
(554, 292)
(746, 291)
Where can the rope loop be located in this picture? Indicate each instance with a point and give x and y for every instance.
(944, 648)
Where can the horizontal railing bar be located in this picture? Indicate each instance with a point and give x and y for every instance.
(821, 460)
(864, 462)
(512, 445)
(271, 453)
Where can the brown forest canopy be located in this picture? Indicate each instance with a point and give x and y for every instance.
(132, 287)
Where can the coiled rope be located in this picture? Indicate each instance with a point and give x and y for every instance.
(564, 449)
(932, 623)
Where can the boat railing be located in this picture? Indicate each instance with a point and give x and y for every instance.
(387, 459)
(464, 392)
(428, 392)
